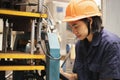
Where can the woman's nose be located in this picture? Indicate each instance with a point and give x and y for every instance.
(74, 31)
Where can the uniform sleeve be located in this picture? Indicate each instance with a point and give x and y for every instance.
(76, 62)
(111, 62)
(74, 68)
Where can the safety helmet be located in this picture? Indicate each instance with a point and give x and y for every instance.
(79, 9)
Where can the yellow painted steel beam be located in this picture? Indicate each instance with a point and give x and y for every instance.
(21, 56)
(21, 13)
(5, 68)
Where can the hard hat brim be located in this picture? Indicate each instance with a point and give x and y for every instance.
(70, 19)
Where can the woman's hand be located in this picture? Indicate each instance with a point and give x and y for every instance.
(70, 76)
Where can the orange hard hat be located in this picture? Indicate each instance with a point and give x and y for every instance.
(79, 9)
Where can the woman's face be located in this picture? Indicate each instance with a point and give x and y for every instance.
(79, 28)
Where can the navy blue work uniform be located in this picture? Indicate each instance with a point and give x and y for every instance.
(99, 59)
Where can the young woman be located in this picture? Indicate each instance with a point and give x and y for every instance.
(97, 50)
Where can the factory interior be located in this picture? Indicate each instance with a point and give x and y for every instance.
(34, 41)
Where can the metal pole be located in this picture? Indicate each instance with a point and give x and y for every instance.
(40, 5)
(39, 29)
(9, 35)
(32, 36)
(39, 22)
(4, 43)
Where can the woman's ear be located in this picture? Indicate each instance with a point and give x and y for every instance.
(91, 21)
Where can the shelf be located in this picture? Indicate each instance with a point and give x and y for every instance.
(5, 12)
(5, 68)
(21, 56)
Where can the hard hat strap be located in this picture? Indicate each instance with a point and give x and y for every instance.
(88, 26)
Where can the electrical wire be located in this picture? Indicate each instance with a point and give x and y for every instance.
(48, 51)
(48, 10)
(48, 55)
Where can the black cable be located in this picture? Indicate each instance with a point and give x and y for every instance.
(88, 26)
(48, 51)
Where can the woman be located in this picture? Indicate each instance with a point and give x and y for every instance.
(97, 50)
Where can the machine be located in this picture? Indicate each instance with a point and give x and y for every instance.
(31, 31)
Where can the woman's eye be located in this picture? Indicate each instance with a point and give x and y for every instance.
(76, 26)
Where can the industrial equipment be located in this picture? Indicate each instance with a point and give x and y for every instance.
(20, 5)
(28, 25)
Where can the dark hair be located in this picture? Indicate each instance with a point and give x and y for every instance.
(96, 24)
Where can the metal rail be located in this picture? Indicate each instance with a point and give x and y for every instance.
(21, 13)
